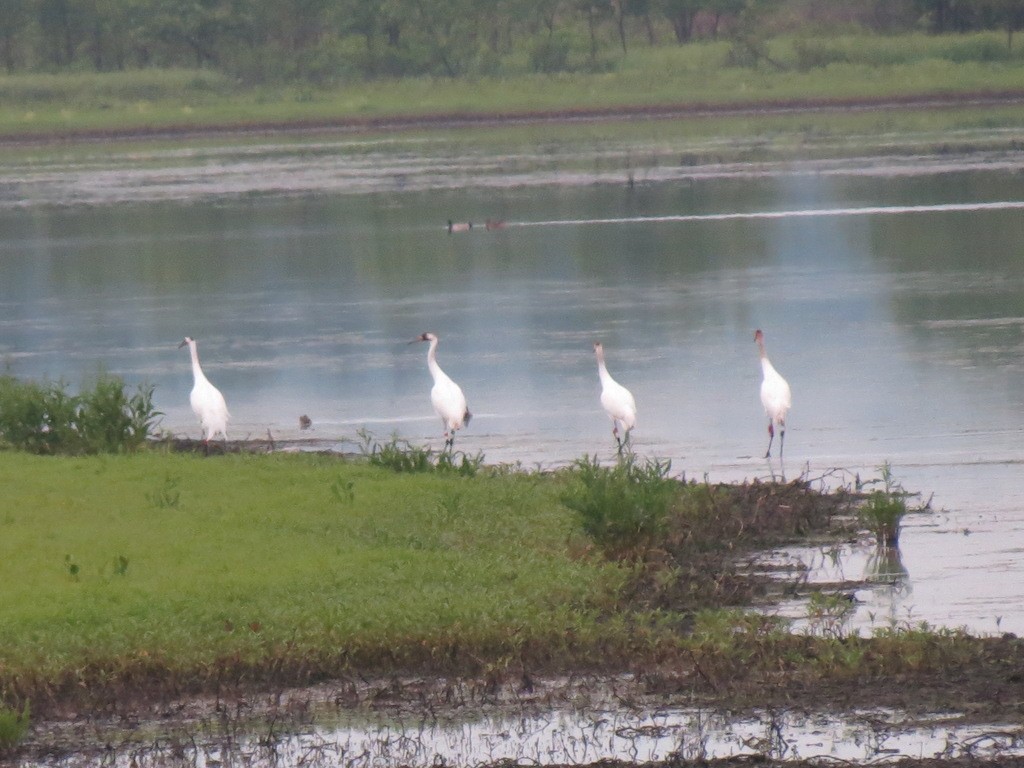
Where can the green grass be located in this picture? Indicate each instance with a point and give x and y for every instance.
(850, 67)
(154, 575)
(13, 727)
(195, 567)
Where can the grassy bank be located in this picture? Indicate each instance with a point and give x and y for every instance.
(832, 69)
(146, 577)
(188, 569)
(161, 573)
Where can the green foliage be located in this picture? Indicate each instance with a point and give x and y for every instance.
(416, 569)
(624, 507)
(402, 456)
(847, 67)
(78, 89)
(827, 613)
(44, 418)
(550, 53)
(13, 726)
(884, 508)
(343, 490)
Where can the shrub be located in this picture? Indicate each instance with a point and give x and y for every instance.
(44, 418)
(623, 507)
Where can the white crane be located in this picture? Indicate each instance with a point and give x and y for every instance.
(207, 401)
(775, 397)
(446, 396)
(618, 401)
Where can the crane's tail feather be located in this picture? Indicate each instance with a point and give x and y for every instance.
(466, 418)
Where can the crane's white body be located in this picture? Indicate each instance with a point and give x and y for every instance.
(207, 401)
(446, 396)
(775, 397)
(618, 402)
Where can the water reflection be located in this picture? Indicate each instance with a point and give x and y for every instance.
(582, 737)
(897, 325)
(885, 566)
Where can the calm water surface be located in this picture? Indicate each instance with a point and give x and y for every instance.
(891, 294)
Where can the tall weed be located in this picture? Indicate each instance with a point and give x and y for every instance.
(885, 508)
(623, 507)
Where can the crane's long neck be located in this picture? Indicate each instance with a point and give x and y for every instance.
(197, 372)
(602, 369)
(766, 366)
(435, 369)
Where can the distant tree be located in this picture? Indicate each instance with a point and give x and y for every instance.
(1009, 14)
(58, 27)
(201, 29)
(641, 11)
(681, 14)
(116, 32)
(722, 9)
(14, 19)
(949, 15)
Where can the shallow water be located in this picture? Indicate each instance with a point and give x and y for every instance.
(583, 736)
(890, 292)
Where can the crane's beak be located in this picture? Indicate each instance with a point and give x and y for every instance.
(182, 344)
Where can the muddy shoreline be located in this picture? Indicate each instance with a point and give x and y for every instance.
(253, 723)
(457, 120)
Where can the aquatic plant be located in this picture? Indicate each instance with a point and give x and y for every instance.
(885, 508)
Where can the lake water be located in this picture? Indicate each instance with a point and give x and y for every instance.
(890, 291)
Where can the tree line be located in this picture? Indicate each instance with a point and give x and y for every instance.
(335, 40)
